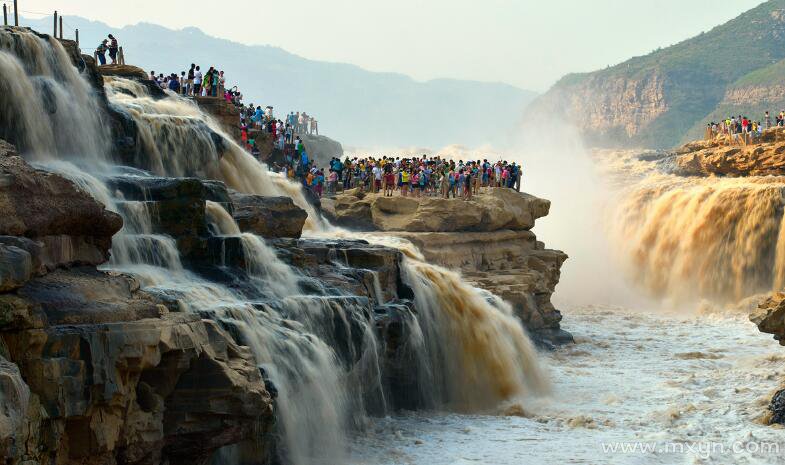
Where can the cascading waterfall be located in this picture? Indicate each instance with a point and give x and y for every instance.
(48, 108)
(716, 238)
(473, 352)
(320, 351)
(180, 140)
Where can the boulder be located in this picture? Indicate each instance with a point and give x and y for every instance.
(321, 149)
(268, 216)
(70, 225)
(770, 316)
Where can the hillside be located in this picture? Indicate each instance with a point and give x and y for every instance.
(665, 97)
(355, 106)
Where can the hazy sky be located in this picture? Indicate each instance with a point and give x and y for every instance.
(527, 43)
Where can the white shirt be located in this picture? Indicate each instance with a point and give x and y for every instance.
(377, 173)
(198, 77)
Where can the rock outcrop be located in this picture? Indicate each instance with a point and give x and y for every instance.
(123, 71)
(93, 369)
(728, 156)
(269, 217)
(321, 148)
(110, 375)
(497, 210)
(222, 111)
(47, 221)
(770, 319)
(489, 239)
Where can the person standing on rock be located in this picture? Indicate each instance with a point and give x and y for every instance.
(113, 49)
(100, 52)
(767, 119)
(377, 178)
(197, 91)
(189, 83)
(404, 182)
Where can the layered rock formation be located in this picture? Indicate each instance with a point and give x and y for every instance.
(489, 239)
(92, 369)
(728, 156)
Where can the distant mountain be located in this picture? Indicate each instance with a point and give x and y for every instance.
(355, 106)
(666, 97)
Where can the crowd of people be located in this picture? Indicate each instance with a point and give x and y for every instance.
(740, 125)
(417, 177)
(195, 83)
(423, 176)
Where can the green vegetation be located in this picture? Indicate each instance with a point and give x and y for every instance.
(748, 50)
(771, 75)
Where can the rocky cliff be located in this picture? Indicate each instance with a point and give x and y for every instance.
(489, 239)
(728, 156)
(93, 369)
(666, 97)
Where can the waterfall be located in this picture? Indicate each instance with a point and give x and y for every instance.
(319, 349)
(716, 238)
(472, 353)
(179, 139)
(47, 106)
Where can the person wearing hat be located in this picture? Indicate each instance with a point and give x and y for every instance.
(100, 52)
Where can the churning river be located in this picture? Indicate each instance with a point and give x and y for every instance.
(638, 388)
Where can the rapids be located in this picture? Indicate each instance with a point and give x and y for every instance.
(689, 387)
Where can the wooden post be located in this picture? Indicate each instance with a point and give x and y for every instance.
(61, 27)
(55, 26)
(77, 37)
(16, 14)
(5, 15)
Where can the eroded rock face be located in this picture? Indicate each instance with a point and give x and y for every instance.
(269, 217)
(499, 209)
(608, 110)
(63, 224)
(488, 239)
(224, 112)
(321, 148)
(770, 319)
(120, 379)
(770, 316)
(123, 71)
(722, 156)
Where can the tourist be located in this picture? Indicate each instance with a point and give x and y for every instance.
(189, 83)
(113, 49)
(100, 52)
(332, 180)
(183, 86)
(197, 82)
